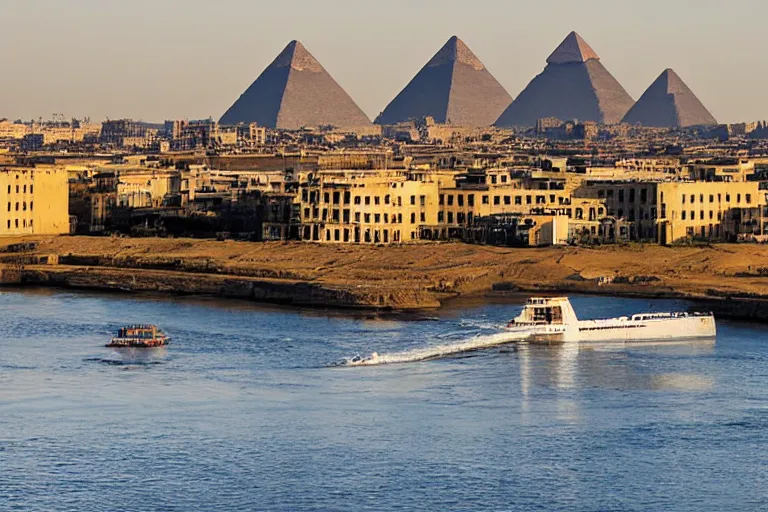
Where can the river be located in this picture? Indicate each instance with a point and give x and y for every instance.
(248, 409)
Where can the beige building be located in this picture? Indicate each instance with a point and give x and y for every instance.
(35, 201)
(365, 206)
(710, 210)
(141, 189)
(671, 211)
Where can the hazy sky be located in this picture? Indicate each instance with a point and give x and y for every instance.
(164, 59)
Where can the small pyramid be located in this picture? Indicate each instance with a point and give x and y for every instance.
(453, 87)
(669, 103)
(573, 85)
(295, 91)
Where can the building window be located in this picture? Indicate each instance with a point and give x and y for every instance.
(485, 199)
(413, 218)
(423, 217)
(471, 200)
(711, 198)
(413, 200)
(367, 200)
(441, 200)
(528, 200)
(450, 200)
(496, 200)
(518, 200)
(377, 200)
(507, 200)
(748, 198)
(357, 200)
(682, 215)
(461, 200)
(423, 200)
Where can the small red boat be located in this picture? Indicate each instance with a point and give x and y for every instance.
(139, 336)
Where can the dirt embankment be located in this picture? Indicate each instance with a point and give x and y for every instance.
(732, 279)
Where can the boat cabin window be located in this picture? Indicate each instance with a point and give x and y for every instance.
(553, 315)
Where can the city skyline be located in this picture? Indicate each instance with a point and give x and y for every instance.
(191, 63)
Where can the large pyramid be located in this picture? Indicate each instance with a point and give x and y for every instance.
(669, 103)
(574, 85)
(293, 92)
(454, 87)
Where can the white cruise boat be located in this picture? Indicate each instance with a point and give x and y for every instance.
(552, 320)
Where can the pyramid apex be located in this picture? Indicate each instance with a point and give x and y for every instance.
(295, 55)
(572, 49)
(455, 50)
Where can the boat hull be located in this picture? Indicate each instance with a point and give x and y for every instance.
(625, 330)
(118, 343)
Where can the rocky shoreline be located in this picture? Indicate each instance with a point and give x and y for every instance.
(725, 279)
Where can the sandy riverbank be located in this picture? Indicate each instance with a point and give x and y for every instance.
(732, 279)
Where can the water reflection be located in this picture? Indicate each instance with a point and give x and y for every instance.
(567, 367)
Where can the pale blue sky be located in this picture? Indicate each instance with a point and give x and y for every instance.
(158, 59)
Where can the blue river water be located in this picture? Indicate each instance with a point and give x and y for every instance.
(248, 409)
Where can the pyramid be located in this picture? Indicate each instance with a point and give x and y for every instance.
(574, 85)
(293, 92)
(454, 87)
(669, 103)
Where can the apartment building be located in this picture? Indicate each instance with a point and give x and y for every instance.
(670, 211)
(34, 201)
(365, 207)
(724, 212)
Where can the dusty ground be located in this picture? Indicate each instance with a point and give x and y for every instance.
(420, 275)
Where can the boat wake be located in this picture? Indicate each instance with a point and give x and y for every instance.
(436, 351)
